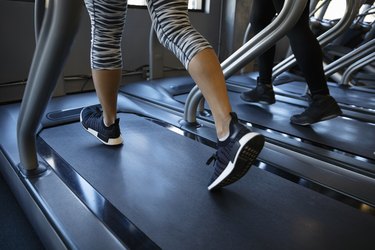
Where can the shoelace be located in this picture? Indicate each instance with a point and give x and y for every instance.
(91, 119)
(97, 113)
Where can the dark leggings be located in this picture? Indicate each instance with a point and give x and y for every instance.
(304, 45)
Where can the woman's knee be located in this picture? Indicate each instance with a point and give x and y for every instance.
(107, 23)
(174, 31)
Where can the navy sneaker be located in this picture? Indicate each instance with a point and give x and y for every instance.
(92, 120)
(321, 108)
(235, 155)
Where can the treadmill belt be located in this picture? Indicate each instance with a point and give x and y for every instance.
(345, 96)
(338, 133)
(158, 180)
(342, 95)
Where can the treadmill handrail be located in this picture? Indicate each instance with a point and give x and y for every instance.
(350, 58)
(352, 8)
(357, 65)
(155, 56)
(38, 16)
(322, 7)
(53, 44)
(288, 16)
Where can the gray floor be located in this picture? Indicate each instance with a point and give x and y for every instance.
(14, 224)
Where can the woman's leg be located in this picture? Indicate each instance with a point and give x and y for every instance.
(175, 32)
(261, 16)
(206, 71)
(308, 53)
(107, 23)
(106, 84)
(106, 58)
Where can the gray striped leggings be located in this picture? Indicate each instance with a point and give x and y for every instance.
(170, 20)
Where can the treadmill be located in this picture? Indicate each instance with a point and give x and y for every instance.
(357, 102)
(325, 142)
(352, 98)
(151, 192)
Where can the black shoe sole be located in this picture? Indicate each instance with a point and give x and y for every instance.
(251, 145)
(324, 118)
(262, 101)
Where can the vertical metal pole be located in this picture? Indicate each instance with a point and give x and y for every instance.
(155, 56)
(39, 9)
(323, 10)
(61, 22)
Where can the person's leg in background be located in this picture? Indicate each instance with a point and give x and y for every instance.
(308, 54)
(262, 14)
(106, 63)
(238, 147)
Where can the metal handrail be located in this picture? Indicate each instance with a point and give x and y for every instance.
(350, 58)
(265, 39)
(53, 44)
(352, 8)
(155, 56)
(40, 7)
(357, 65)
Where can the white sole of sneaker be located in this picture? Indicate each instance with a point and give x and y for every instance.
(245, 140)
(111, 141)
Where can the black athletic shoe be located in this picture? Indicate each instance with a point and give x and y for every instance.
(261, 93)
(92, 120)
(235, 155)
(321, 108)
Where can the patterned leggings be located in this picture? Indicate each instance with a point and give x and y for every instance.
(170, 20)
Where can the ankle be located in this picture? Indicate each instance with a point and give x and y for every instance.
(265, 86)
(223, 131)
(108, 123)
(264, 82)
(320, 93)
